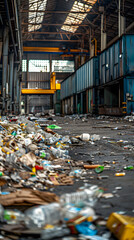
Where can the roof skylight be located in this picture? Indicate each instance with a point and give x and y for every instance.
(36, 17)
(77, 18)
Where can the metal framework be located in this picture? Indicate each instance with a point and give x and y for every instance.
(82, 25)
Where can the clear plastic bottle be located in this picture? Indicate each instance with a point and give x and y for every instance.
(44, 155)
(13, 216)
(38, 217)
(57, 231)
(59, 153)
(8, 158)
(85, 197)
(11, 157)
(65, 139)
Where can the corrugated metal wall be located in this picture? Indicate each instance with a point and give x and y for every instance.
(117, 60)
(39, 103)
(39, 80)
(85, 77)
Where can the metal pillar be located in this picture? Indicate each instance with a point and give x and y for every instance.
(119, 18)
(81, 103)
(50, 65)
(5, 67)
(17, 95)
(26, 85)
(15, 87)
(11, 57)
(103, 34)
(123, 25)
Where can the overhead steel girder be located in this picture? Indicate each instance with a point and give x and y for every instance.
(54, 24)
(59, 12)
(53, 33)
(51, 40)
(53, 50)
(37, 91)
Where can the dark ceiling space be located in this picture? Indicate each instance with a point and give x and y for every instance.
(48, 21)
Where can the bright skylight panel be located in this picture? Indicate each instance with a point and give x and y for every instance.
(36, 17)
(77, 18)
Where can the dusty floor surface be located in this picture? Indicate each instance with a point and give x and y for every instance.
(107, 151)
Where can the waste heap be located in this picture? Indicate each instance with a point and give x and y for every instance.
(33, 161)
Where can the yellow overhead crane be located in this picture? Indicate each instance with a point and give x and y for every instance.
(53, 87)
(52, 50)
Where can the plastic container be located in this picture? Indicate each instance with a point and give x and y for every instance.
(120, 174)
(95, 137)
(44, 155)
(54, 232)
(82, 198)
(58, 153)
(85, 137)
(76, 173)
(99, 169)
(10, 157)
(38, 217)
(121, 226)
(13, 216)
(91, 166)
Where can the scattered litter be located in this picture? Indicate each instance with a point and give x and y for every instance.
(107, 195)
(54, 127)
(120, 174)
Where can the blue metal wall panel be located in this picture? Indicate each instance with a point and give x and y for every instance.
(108, 65)
(129, 54)
(85, 77)
(129, 88)
(111, 64)
(116, 60)
(92, 72)
(103, 68)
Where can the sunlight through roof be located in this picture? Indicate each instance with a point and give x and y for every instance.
(36, 17)
(77, 18)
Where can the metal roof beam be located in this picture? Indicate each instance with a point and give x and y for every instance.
(53, 33)
(59, 12)
(54, 24)
(51, 40)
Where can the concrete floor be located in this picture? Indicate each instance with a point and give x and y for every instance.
(104, 152)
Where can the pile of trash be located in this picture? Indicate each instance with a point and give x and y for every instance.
(33, 161)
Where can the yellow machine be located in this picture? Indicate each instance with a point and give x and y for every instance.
(53, 87)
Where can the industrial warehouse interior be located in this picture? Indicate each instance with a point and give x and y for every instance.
(67, 119)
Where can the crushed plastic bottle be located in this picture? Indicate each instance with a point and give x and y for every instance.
(85, 197)
(77, 173)
(99, 169)
(95, 137)
(44, 155)
(65, 139)
(11, 157)
(59, 153)
(38, 217)
(57, 231)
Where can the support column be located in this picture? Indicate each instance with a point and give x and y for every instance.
(50, 64)
(76, 103)
(121, 21)
(5, 68)
(81, 103)
(119, 18)
(119, 95)
(123, 25)
(17, 94)
(11, 57)
(15, 87)
(103, 34)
